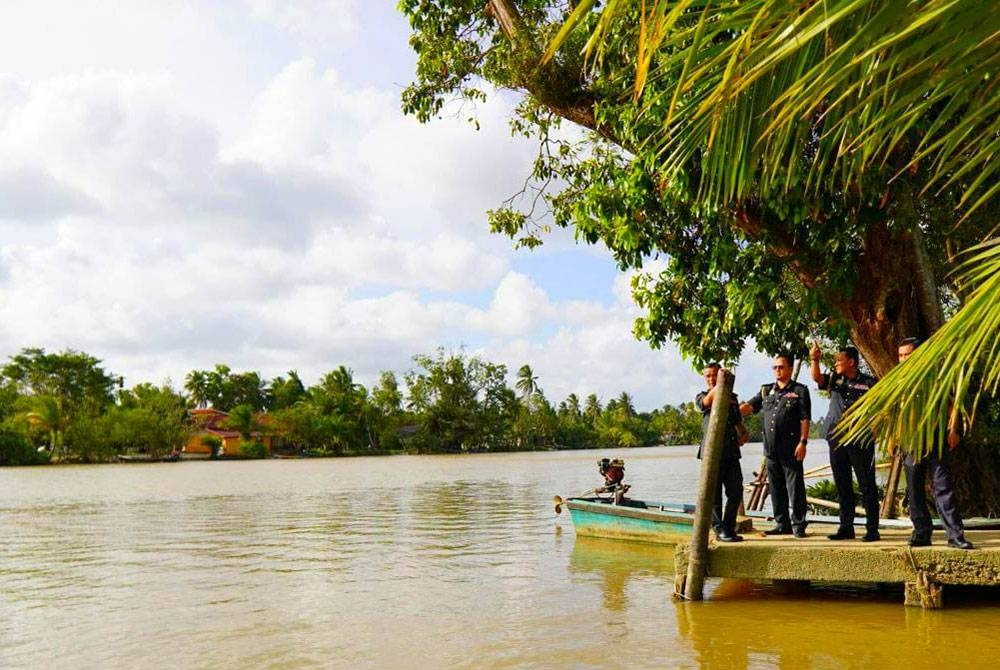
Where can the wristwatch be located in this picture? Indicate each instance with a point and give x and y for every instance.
(803, 441)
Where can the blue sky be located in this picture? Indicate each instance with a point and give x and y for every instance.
(188, 183)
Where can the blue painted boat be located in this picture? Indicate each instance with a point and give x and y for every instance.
(642, 520)
(670, 522)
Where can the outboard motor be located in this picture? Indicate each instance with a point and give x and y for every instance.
(613, 471)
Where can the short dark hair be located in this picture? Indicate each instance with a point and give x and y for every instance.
(788, 358)
(909, 341)
(851, 353)
(713, 364)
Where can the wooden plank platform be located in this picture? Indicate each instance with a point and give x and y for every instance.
(924, 570)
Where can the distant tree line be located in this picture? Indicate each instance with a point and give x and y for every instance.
(66, 406)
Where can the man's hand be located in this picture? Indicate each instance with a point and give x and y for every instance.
(815, 352)
(746, 409)
(800, 452)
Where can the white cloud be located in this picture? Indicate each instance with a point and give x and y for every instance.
(194, 191)
(312, 22)
(518, 307)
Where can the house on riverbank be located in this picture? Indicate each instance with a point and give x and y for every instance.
(212, 423)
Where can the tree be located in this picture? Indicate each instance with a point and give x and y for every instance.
(47, 413)
(800, 167)
(286, 392)
(344, 403)
(148, 419)
(243, 420)
(196, 383)
(527, 382)
(71, 377)
(460, 403)
(777, 256)
(865, 84)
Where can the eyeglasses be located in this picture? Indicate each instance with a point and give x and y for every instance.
(779, 367)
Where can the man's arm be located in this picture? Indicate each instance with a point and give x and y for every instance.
(817, 374)
(752, 406)
(704, 399)
(805, 414)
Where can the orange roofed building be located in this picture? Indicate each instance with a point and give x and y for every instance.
(212, 423)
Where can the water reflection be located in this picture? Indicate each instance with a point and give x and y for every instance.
(615, 563)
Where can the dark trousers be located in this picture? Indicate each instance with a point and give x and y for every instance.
(944, 496)
(860, 459)
(785, 480)
(730, 479)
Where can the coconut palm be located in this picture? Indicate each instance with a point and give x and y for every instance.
(243, 420)
(867, 82)
(527, 382)
(866, 85)
(196, 384)
(47, 413)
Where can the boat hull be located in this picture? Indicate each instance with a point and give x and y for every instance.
(670, 523)
(636, 521)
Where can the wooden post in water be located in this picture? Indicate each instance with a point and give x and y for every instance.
(711, 459)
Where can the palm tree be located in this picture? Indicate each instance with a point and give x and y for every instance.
(868, 85)
(573, 405)
(196, 383)
(625, 405)
(47, 413)
(864, 79)
(243, 420)
(527, 382)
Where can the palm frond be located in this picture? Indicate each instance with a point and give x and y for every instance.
(939, 387)
(748, 79)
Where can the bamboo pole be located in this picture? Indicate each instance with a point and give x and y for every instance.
(758, 487)
(888, 509)
(711, 459)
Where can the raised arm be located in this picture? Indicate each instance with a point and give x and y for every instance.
(814, 355)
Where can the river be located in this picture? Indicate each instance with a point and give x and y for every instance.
(406, 562)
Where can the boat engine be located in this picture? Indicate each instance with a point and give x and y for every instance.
(613, 471)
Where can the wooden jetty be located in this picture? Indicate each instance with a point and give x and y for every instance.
(924, 571)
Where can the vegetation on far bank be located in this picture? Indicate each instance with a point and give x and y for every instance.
(66, 406)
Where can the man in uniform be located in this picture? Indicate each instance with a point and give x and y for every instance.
(730, 474)
(944, 492)
(786, 433)
(846, 384)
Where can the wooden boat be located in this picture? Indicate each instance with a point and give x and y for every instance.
(670, 522)
(146, 458)
(645, 521)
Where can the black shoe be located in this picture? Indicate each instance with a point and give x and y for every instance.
(778, 531)
(842, 535)
(728, 537)
(920, 540)
(871, 536)
(960, 543)
(799, 532)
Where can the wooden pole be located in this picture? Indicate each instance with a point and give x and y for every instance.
(759, 486)
(711, 459)
(888, 510)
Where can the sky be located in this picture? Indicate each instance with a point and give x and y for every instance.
(185, 183)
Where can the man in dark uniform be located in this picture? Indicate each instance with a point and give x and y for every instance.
(846, 384)
(944, 492)
(730, 474)
(786, 433)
